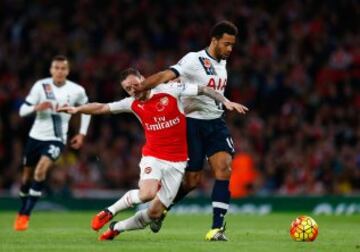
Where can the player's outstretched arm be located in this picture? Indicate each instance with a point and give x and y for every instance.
(204, 90)
(156, 79)
(89, 108)
(27, 109)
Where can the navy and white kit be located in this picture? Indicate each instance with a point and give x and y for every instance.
(207, 132)
(48, 134)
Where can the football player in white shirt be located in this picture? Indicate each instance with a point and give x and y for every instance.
(48, 134)
(208, 136)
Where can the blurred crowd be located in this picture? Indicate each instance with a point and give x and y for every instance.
(296, 65)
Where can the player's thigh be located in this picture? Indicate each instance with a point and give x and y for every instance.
(218, 138)
(150, 168)
(51, 149)
(42, 167)
(148, 189)
(150, 176)
(32, 153)
(172, 177)
(196, 149)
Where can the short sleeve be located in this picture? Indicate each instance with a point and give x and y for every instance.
(123, 105)
(185, 65)
(82, 98)
(178, 89)
(34, 96)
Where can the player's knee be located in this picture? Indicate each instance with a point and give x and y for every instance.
(40, 175)
(154, 213)
(40, 172)
(192, 185)
(191, 182)
(147, 194)
(223, 172)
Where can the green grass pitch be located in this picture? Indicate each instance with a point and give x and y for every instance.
(70, 231)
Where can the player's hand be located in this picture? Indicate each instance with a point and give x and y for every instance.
(77, 141)
(68, 109)
(236, 106)
(43, 106)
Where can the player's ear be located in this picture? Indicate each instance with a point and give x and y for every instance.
(142, 78)
(214, 41)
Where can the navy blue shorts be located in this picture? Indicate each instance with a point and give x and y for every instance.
(205, 138)
(34, 149)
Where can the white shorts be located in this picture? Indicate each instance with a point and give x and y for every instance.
(170, 175)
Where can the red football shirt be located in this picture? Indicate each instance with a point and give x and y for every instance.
(163, 120)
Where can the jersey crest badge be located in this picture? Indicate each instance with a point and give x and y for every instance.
(48, 91)
(208, 67)
(147, 170)
(160, 106)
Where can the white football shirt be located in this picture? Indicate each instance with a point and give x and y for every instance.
(49, 124)
(202, 69)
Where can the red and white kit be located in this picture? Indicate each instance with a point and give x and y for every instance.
(165, 151)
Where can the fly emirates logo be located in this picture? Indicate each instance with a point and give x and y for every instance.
(161, 123)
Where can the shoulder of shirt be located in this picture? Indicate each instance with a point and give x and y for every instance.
(192, 54)
(128, 99)
(164, 87)
(160, 88)
(43, 81)
(75, 85)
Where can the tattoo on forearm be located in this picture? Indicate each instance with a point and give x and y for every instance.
(212, 94)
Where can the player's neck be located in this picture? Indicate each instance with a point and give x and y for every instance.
(211, 52)
(144, 96)
(59, 83)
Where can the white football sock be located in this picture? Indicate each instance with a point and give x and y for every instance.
(138, 221)
(126, 201)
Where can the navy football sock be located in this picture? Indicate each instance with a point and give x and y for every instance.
(34, 195)
(220, 202)
(24, 194)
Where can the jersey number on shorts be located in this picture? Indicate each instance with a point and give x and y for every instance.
(230, 142)
(54, 151)
(219, 105)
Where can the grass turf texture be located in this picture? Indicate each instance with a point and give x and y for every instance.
(70, 231)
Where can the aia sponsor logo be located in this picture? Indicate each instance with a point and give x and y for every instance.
(220, 85)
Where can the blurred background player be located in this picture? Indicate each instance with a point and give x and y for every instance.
(48, 134)
(164, 153)
(207, 133)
